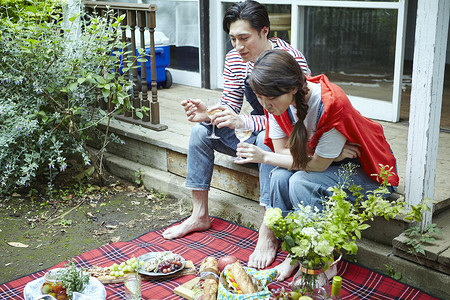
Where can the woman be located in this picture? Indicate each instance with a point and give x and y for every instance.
(313, 130)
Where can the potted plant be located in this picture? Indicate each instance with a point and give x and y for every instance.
(313, 238)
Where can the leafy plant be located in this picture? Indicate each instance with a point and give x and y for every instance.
(138, 177)
(390, 272)
(51, 89)
(73, 279)
(311, 237)
(64, 223)
(28, 10)
(418, 238)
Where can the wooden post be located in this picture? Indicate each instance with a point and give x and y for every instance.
(132, 23)
(154, 108)
(426, 101)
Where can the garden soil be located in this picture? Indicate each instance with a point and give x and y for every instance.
(36, 233)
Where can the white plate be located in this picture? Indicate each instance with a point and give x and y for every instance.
(148, 256)
(94, 290)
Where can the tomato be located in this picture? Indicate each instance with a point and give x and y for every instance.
(226, 260)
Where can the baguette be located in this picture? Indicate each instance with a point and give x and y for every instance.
(241, 278)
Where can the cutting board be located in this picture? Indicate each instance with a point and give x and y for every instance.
(185, 290)
(188, 269)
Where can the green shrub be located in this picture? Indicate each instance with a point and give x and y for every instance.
(50, 89)
(28, 10)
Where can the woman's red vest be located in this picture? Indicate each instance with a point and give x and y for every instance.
(340, 114)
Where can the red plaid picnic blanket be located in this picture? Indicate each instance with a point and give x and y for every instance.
(224, 238)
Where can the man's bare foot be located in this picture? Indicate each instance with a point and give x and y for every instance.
(265, 250)
(189, 225)
(285, 269)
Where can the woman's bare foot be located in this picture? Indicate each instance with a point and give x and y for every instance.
(191, 224)
(285, 269)
(265, 250)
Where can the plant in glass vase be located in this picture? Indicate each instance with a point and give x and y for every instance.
(312, 237)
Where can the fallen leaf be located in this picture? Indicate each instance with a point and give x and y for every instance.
(15, 195)
(111, 226)
(135, 202)
(115, 239)
(17, 244)
(7, 264)
(152, 197)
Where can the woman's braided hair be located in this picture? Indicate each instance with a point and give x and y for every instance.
(276, 73)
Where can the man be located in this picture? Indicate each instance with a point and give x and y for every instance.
(247, 24)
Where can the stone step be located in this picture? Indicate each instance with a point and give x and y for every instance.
(157, 150)
(437, 254)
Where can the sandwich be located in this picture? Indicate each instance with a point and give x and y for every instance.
(208, 285)
(237, 281)
(209, 268)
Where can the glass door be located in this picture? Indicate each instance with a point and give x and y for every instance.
(357, 44)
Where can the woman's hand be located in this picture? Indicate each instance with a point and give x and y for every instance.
(250, 153)
(350, 150)
(195, 110)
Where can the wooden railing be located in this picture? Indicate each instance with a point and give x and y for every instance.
(141, 16)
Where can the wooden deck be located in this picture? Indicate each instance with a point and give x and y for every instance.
(173, 116)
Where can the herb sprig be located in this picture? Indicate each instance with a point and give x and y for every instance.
(73, 279)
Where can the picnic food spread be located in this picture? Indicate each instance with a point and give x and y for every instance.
(164, 262)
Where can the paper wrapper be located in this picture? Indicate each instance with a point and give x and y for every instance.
(263, 276)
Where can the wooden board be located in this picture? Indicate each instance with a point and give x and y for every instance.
(188, 269)
(185, 290)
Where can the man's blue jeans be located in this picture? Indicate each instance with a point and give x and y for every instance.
(288, 189)
(200, 159)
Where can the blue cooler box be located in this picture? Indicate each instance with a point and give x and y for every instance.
(162, 58)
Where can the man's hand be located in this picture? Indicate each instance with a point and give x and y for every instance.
(226, 117)
(195, 110)
(350, 150)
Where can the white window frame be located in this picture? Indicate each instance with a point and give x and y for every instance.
(371, 108)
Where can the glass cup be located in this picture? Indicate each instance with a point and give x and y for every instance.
(132, 284)
(242, 133)
(211, 102)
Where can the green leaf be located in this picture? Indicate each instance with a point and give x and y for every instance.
(106, 93)
(289, 241)
(73, 86)
(139, 114)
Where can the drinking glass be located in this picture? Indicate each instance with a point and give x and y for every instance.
(211, 102)
(132, 283)
(242, 133)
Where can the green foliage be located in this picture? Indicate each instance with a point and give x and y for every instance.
(312, 237)
(52, 84)
(74, 279)
(390, 272)
(418, 238)
(64, 223)
(138, 177)
(28, 10)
